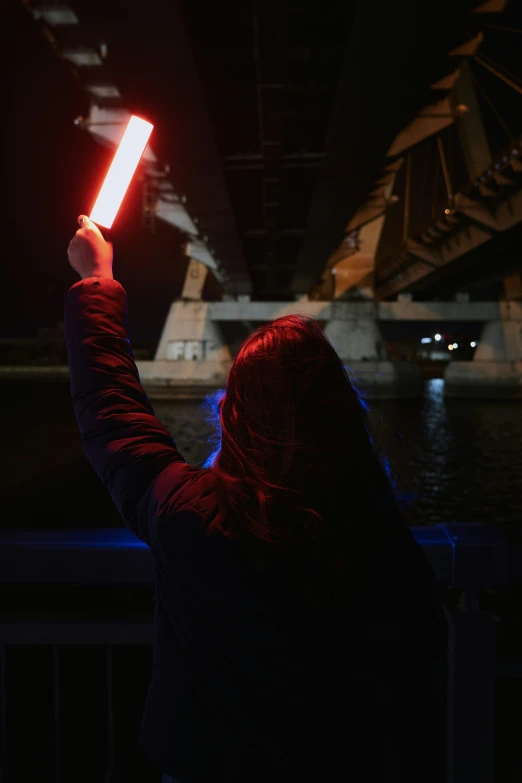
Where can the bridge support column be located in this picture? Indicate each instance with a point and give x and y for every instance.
(496, 369)
(192, 356)
(353, 327)
(354, 331)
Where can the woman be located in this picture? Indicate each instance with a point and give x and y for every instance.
(298, 632)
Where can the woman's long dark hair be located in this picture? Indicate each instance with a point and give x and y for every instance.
(296, 467)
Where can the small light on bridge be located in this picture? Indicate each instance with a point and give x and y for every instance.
(438, 337)
(450, 347)
(455, 346)
(461, 109)
(425, 340)
(473, 344)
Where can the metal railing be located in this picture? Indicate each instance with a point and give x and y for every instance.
(465, 557)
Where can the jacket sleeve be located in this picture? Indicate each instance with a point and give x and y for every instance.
(124, 442)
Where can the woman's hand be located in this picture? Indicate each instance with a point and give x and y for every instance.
(88, 252)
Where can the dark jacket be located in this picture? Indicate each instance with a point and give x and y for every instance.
(249, 682)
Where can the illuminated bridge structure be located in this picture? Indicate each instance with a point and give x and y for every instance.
(299, 167)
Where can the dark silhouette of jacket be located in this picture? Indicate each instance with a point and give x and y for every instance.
(249, 681)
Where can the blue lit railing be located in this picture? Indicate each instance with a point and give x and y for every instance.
(462, 555)
(466, 557)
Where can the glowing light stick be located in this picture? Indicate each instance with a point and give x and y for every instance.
(121, 171)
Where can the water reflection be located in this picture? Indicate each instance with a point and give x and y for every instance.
(435, 459)
(461, 460)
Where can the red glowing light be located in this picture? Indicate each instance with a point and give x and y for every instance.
(121, 171)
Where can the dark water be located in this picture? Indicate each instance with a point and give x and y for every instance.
(462, 460)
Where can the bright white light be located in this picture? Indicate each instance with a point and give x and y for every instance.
(473, 344)
(455, 345)
(450, 347)
(121, 171)
(425, 340)
(438, 337)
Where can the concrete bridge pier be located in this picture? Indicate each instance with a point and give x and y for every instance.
(496, 369)
(354, 331)
(193, 356)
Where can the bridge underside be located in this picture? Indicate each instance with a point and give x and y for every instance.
(468, 245)
(282, 124)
